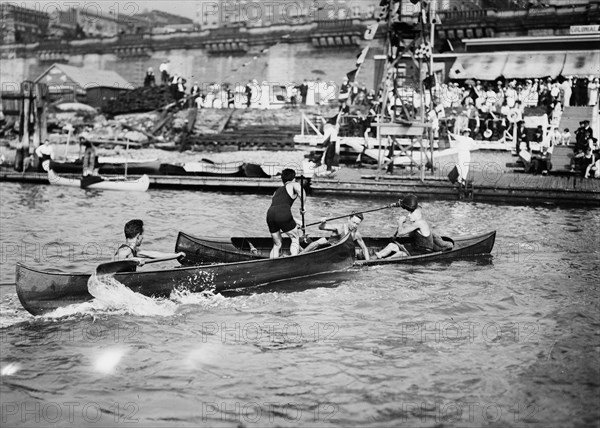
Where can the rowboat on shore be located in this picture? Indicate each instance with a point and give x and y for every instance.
(42, 291)
(201, 250)
(98, 183)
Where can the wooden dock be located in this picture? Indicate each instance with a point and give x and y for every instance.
(507, 187)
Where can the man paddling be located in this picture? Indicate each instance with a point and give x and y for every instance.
(339, 231)
(413, 224)
(134, 235)
(279, 216)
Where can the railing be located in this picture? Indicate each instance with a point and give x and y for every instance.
(465, 15)
(334, 24)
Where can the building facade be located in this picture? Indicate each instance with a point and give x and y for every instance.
(21, 25)
(313, 48)
(264, 13)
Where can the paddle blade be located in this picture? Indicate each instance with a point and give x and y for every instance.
(115, 267)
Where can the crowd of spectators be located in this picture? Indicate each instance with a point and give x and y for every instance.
(253, 94)
(482, 110)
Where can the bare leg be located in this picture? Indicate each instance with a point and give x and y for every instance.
(314, 245)
(295, 245)
(276, 245)
(391, 249)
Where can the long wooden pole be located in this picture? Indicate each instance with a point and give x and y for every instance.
(394, 205)
(421, 93)
(302, 204)
(432, 78)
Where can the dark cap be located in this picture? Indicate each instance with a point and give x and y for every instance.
(409, 202)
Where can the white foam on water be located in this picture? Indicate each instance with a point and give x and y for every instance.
(112, 296)
(205, 298)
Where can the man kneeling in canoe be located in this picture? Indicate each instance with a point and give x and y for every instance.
(414, 224)
(339, 231)
(134, 235)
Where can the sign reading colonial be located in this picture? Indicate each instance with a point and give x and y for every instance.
(584, 29)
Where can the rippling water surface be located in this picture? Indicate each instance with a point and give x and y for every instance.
(511, 340)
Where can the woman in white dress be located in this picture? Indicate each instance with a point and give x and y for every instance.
(592, 88)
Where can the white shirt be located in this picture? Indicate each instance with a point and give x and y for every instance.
(45, 150)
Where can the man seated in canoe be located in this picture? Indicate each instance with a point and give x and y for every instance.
(134, 235)
(339, 231)
(279, 216)
(414, 225)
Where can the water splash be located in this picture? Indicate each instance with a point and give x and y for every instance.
(110, 294)
(206, 298)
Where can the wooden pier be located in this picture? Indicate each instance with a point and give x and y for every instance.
(506, 187)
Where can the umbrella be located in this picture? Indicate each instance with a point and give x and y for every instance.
(321, 72)
(469, 82)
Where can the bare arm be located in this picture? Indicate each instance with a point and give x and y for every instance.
(158, 254)
(406, 228)
(362, 245)
(301, 193)
(339, 229)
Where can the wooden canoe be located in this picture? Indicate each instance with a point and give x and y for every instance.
(115, 166)
(201, 250)
(208, 169)
(140, 185)
(41, 291)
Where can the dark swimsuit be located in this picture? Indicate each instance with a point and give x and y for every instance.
(134, 254)
(420, 244)
(423, 244)
(133, 251)
(279, 215)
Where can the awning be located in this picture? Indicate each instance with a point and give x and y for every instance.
(524, 65)
(582, 64)
(483, 67)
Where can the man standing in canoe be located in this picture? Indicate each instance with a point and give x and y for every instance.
(279, 216)
(134, 235)
(339, 231)
(414, 224)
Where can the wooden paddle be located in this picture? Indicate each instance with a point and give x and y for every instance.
(394, 205)
(302, 204)
(127, 265)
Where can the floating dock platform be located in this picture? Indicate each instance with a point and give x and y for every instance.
(507, 187)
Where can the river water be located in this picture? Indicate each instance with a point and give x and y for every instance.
(511, 340)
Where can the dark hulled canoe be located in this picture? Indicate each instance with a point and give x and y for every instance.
(43, 291)
(465, 247)
(117, 168)
(208, 169)
(200, 250)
